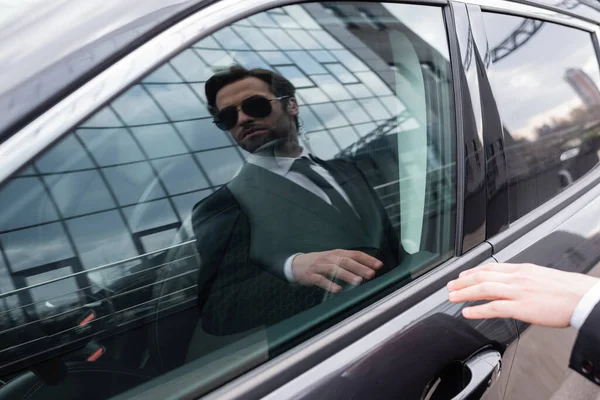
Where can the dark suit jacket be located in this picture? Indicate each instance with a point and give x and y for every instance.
(585, 357)
(248, 228)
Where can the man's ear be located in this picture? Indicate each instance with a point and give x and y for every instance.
(292, 107)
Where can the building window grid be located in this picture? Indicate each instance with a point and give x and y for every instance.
(197, 48)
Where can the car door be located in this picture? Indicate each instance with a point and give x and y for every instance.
(549, 112)
(104, 263)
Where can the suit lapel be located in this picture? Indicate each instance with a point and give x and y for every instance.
(284, 189)
(353, 183)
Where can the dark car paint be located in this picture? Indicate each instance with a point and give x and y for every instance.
(474, 195)
(567, 247)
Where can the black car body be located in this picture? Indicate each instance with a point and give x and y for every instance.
(476, 123)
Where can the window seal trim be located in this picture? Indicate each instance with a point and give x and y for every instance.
(531, 9)
(49, 127)
(459, 125)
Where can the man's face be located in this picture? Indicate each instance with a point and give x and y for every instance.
(249, 132)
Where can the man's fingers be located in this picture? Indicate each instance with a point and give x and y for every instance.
(479, 277)
(363, 258)
(493, 309)
(497, 267)
(326, 284)
(356, 268)
(483, 291)
(336, 272)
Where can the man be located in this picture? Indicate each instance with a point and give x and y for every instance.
(290, 227)
(540, 296)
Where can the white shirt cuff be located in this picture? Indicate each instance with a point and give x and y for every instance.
(585, 306)
(287, 268)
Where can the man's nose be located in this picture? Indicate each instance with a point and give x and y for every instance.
(243, 118)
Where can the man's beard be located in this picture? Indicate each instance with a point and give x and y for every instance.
(280, 133)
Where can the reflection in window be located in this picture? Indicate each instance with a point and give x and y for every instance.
(251, 59)
(49, 241)
(68, 155)
(159, 140)
(178, 101)
(202, 134)
(326, 40)
(53, 295)
(281, 39)
(353, 111)
(228, 37)
(303, 60)
(322, 145)
(180, 174)
(331, 87)
(110, 146)
(155, 152)
(549, 104)
(330, 115)
(350, 60)
(322, 56)
(375, 109)
(359, 91)
(286, 21)
(149, 215)
(101, 239)
(133, 183)
(344, 136)
(340, 72)
(313, 95)
(295, 76)
(78, 193)
(256, 39)
(158, 240)
(190, 67)
(220, 165)
(306, 40)
(185, 202)
(164, 74)
(136, 107)
(275, 57)
(24, 202)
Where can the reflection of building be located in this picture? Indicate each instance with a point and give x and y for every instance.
(123, 184)
(584, 86)
(99, 209)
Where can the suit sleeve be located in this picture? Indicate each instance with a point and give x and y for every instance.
(213, 220)
(585, 356)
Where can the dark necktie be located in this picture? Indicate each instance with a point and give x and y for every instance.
(302, 166)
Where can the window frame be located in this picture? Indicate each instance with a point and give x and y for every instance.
(547, 210)
(51, 126)
(59, 120)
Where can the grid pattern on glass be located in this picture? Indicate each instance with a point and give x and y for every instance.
(153, 153)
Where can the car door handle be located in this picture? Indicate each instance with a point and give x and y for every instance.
(485, 368)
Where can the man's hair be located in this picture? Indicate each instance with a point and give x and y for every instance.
(278, 85)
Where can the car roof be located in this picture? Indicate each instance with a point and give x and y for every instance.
(55, 46)
(50, 48)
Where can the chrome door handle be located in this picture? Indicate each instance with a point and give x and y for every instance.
(485, 368)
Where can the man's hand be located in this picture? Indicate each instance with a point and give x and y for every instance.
(527, 292)
(319, 269)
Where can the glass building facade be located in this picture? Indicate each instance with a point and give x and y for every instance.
(108, 207)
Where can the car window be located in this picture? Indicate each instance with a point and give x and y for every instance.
(268, 181)
(547, 88)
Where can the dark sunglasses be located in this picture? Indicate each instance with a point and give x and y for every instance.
(253, 106)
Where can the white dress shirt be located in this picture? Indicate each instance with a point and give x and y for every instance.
(281, 165)
(585, 306)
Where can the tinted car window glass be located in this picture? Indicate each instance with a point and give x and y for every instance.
(547, 88)
(147, 238)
